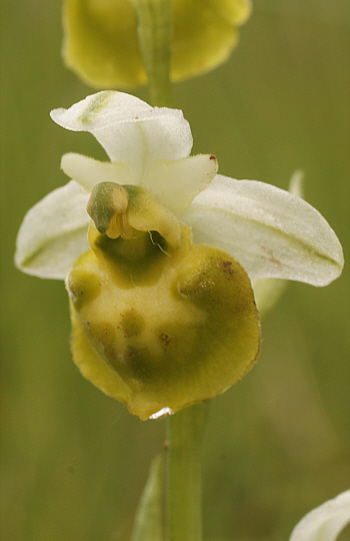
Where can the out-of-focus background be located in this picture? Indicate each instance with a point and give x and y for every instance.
(74, 462)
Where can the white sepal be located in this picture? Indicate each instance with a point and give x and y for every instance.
(129, 129)
(53, 233)
(272, 233)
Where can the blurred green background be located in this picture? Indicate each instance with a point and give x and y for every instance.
(74, 462)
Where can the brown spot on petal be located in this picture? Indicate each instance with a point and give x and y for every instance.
(271, 256)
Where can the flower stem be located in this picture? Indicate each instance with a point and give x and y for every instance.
(186, 431)
(154, 30)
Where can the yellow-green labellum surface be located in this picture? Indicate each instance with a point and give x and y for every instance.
(157, 326)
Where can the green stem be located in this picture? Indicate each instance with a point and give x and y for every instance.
(154, 30)
(186, 430)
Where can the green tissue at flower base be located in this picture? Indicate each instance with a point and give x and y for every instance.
(161, 256)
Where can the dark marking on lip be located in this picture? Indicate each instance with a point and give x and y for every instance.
(227, 267)
(164, 338)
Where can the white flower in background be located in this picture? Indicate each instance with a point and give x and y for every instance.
(270, 232)
(325, 522)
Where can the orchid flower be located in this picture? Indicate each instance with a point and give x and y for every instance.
(325, 522)
(272, 233)
(101, 41)
(165, 220)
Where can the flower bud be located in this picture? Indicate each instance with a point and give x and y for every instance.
(158, 321)
(101, 38)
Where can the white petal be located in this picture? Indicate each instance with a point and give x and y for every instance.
(53, 233)
(176, 183)
(272, 233)
(89, 172)
(325, 522)
(129, 129)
